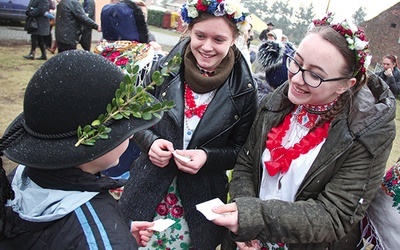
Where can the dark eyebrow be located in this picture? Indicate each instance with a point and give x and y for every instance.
(314, 66)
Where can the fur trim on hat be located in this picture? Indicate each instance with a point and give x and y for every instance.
(270, 54)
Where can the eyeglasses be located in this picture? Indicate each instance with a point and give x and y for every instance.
(310, 78)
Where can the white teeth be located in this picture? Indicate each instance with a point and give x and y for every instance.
(206, 56)
(298, 90)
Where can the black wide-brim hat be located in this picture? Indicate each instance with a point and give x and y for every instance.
(71, 89)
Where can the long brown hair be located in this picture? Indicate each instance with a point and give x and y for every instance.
(350, 67)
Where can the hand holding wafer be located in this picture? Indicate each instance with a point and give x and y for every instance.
(183, 158)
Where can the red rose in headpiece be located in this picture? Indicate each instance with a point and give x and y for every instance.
(201, 6)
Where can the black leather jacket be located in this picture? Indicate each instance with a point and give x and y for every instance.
(220, 133)
(70, 18)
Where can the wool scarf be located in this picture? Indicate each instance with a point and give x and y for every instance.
(200, 83)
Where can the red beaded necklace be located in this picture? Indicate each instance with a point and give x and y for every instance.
(191, 108)
(281, 157)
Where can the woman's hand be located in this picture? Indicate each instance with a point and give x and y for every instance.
(389, 72)
(197, 159)
(229, 218)
(161, 152)
(141, 233)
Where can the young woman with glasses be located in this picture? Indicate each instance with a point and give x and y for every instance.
(316, 151)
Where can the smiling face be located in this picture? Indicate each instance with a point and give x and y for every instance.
(210, 41)
(327, 62)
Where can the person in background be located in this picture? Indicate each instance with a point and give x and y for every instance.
(37, 10)
(263, 34)
(186, 155)
(124, 20)
(48, 40)
(242, 41)
(270, 66)
(391, 74)
(253, 53)
(57, 198)
(89, 7)
(317, 150)
(125, 32)
(152, 39)
(284, 39)
(70, 18)
(271, 36)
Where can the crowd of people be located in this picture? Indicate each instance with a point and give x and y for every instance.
(304, 131)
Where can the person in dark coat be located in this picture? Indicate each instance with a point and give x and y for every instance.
(263, 34)
(317, 150)
(57, 199)
(70, 18)
(186, 155)
(86, 38)
(37, 9)
(391, 74)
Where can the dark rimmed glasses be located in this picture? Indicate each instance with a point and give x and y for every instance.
(310, 78)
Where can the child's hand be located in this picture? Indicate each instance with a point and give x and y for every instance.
(141, 233)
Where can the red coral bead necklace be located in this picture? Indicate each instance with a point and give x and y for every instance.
(191, 109)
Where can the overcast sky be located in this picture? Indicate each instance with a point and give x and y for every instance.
(348, 7)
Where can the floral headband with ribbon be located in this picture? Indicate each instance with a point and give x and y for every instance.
(233, 9)
(354, 35)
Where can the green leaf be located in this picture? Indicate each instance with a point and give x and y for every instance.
(137, 114)
(147, 116)
(109, 107)
(95, 123)
(87, 128)
(104, 136)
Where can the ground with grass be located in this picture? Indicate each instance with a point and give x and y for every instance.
(15, 73)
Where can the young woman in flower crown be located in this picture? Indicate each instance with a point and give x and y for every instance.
(187, 154)
(317, 149)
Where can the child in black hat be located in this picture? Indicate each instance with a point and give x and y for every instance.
(57, 200)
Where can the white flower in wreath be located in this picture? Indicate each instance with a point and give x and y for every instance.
(352, 27)
(244, 26)
(360, 44)
(367, 61)
(231, 7)
(192, 11)
(350, 40)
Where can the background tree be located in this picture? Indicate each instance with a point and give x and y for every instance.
(359, 16)
(281, 14)
(304, 15)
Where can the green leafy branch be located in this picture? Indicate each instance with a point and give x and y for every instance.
(131, 99)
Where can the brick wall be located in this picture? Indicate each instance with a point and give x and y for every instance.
(383, 32)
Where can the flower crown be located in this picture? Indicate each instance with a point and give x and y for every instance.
(391, 184)
(233, 9)
(354, 35)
